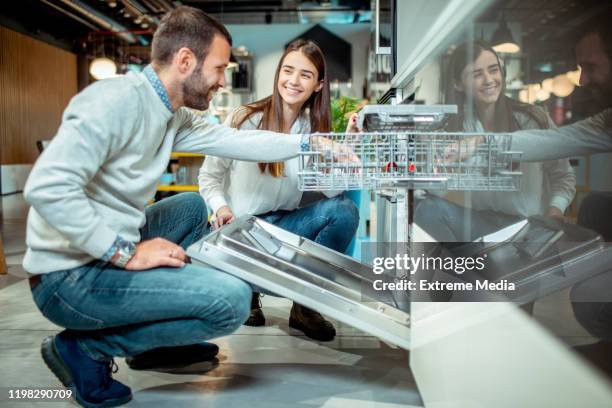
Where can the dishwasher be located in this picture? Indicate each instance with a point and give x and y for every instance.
(401, 149)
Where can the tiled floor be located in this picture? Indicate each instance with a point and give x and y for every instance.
(261, 367)
(266, 367)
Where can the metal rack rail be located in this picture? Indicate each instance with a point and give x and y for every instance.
(411, 159)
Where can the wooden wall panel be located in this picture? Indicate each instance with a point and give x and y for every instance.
(36, 82)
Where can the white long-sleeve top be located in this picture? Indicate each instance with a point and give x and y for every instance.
(243, 187)
(543, 184)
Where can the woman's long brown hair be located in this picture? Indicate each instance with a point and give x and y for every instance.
(505, 107)
(272, 106)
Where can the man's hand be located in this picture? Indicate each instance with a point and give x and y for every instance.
(224, 216)
(462, 150)
(342, 153)
(155, 253)
(554, 212)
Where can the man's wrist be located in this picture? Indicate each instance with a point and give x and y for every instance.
(111, 251)
(120, 252)
(305, 143)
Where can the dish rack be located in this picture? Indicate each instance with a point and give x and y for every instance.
(412, 159)
(403, 149)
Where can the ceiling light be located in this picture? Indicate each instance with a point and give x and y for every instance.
(502, 39)
(562, 86)
(542, 95)
(547, 84)
(532, 92)
(574, 76)
(101, 68)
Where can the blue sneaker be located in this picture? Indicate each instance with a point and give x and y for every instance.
(90, 380)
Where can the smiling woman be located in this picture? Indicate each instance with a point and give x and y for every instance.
(299, 104)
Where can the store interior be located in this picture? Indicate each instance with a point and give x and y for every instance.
(378, 52)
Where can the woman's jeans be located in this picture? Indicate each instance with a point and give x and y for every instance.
(114, 312)
(331, 222)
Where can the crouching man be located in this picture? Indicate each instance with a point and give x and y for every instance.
(111, 271)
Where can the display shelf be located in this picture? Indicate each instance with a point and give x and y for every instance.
(176, 155)
(177, 187)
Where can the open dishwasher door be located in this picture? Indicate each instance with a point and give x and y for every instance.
(293, 267)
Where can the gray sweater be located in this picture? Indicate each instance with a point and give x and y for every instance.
(544, 184)
(102, 167)
(588, 136)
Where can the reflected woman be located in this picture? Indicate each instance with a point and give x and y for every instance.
(547, 188)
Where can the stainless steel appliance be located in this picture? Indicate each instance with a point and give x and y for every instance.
(296, 268)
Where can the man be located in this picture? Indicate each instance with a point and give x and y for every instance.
(111, 271)
(592, 299)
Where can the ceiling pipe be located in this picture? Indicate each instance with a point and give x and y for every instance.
(139, 11)
(102, 20)
(166, 4)
(152, 6)
(135, 5)
(71, 15)
(158, 6)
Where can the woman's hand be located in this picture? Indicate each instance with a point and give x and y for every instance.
(351, 126)
(224, 216)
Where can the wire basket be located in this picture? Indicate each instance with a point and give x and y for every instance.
(411, 159)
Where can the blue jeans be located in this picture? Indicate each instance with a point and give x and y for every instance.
(592, 304)
(331, 222)
(596, 213)
(448, 222)
(591, 299)
(115, 312)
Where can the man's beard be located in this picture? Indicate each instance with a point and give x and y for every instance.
(195, 91)
(602, 94)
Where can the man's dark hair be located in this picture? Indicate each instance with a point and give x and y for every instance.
(600, 27)
(185, 27)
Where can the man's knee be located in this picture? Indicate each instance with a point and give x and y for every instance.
(240, 298)
(236, 303)
(592, 205)
(595, 317)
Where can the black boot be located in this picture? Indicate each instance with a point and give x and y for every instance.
(257, 317)
(311, 323)
(173, 357)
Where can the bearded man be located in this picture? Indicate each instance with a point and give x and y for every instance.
(104, 265)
